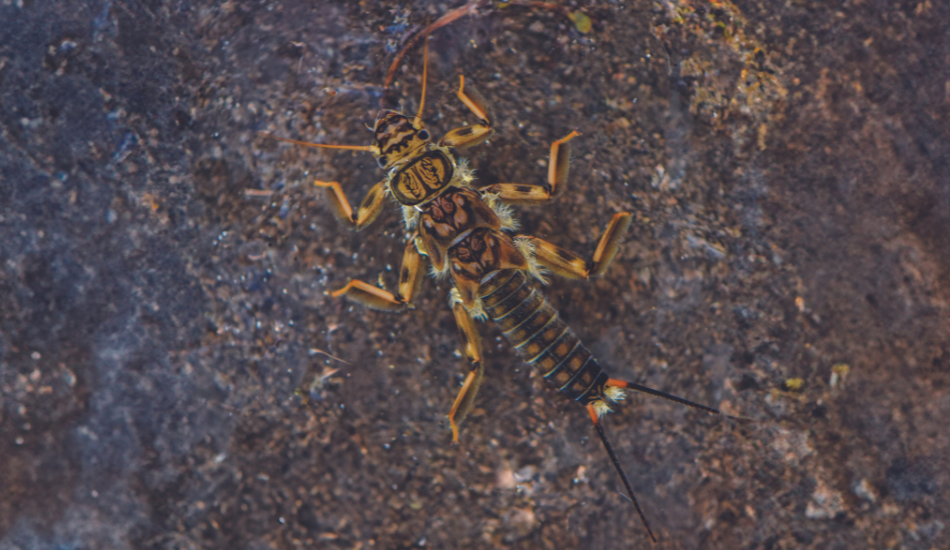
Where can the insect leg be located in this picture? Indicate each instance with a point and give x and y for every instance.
(410, 274)
(472, 344)
(410, 279)
(371, 206)
(567, 264)
(370, 296)
(559, 164)
(467, 136)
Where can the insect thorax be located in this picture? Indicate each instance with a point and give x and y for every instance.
(422, 178)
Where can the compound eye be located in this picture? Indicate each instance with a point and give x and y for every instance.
(381, 161)
(423, 135)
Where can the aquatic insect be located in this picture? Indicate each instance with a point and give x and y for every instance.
(465, 233)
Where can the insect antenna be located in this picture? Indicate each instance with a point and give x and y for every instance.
(370, 148)
(425, 70)
(595, 417)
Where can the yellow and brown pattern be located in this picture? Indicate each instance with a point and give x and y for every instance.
(463, 232)
(449, 216)
(479, 254)
(544, 341)
(422, 178)
(398, 137)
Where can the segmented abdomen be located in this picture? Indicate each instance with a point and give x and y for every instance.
(534, 328)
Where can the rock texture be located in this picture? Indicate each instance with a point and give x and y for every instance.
(164, 270)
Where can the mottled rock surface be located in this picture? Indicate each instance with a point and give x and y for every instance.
(164, 269)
